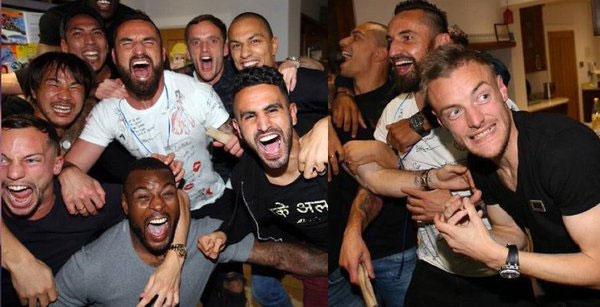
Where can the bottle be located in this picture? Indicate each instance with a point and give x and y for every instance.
(596, 115)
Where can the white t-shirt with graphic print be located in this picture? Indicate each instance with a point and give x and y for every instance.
(176, 123)
(432, 151)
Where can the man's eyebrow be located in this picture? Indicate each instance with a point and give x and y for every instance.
(476, 88)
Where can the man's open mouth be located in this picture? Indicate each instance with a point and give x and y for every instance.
(250, 63)
(91, 55)
(481, 134)
(206, 63)
(403, 64)
(62, 109)
(270, 145)
(157, 228)
(103, 4)
(141, 68)
(20, 195)
(346, 55)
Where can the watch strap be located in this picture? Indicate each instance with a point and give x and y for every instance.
(513, 255)
(416, 123)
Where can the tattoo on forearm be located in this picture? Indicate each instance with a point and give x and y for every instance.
(295, 258)
(370, 206)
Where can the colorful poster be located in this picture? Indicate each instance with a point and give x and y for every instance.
(13, 27)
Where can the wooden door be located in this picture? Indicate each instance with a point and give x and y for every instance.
(563, 66)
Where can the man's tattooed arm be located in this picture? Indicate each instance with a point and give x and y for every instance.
(300, 259)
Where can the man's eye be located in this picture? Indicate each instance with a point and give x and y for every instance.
(234, 46)
(483, 98)
(248, 117)
(453, 113)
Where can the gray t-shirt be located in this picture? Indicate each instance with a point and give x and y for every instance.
(108, 272)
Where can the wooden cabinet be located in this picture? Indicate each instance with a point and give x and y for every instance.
(588, 103)
(534, 42)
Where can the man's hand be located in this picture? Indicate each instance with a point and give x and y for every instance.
(463, 229)
(34, 283)
(312, 158)
(233, 146)
(81, 193)
(289, 69)
(163, 284)
(336, 152)
(401, 136)
(176, 166)
(211, 245)
(363, 152)
(346, 114)
(450, 177)
(111, 88)
(354, 252)
(424, 205)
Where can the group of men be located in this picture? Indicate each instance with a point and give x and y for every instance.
(503, 203)
(65, 239)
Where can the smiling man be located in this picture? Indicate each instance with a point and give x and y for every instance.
(542, 170)
(112, 270)
(164, 113)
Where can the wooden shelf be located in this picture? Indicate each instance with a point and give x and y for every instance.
(484, 46)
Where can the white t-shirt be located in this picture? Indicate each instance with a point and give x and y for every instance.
(433, 151)
(176, 123)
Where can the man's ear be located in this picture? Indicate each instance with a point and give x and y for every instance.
(236, 127)
(442, 39)
(124, 204)
(293, 111)
(502, 87)
(63, 45)
(164, 54)
(381, 54)
(114, 56)
(275, 44)
(58, 164)
(225, 49)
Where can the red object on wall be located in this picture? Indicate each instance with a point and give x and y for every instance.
(508, 16)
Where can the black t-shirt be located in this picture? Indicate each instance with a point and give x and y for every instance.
(558, 175)
(390, 232)
(50, 22)
(54, 238)
(299, 208)
(310, 97)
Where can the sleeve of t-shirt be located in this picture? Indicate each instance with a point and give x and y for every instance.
(387, 117)
(99, 126)
(49, 26)
(71, 282)
(238, 252)
(214, 111)
(570, 169)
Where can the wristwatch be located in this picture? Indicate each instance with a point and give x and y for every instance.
(510, 269)
(294, 59)
(416, 123)
(179, 249)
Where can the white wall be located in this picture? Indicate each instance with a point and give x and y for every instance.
(283, 15)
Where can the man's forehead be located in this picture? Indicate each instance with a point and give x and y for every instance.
(80, 19)
(33, 140)
(59, 73)
(249, 26)
(134, 27)
(150, 179)
(407, 20)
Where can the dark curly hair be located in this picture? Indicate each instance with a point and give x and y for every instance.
(436, 18)
(259, 75)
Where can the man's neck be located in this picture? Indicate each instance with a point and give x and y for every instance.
(142, 104)
(103, 74)
(508, 161)
(288, 173)
(144, 255)
(370, 80)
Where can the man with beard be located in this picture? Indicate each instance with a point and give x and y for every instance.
(541, 171)
(112, 270)
(389, 238)
(270, 189)
(165, 113)
(417, 28)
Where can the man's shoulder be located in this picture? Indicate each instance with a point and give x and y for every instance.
(112, 241)
(544, 126)
(401, 106)
(202, 226)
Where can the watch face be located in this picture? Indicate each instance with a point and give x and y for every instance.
(509, 273)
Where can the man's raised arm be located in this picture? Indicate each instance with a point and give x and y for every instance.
(295, 258)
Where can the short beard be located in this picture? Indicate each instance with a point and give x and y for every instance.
(141, 90)
(139, 233)
(409, 83)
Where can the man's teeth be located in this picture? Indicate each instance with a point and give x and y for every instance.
(91, 55)
(103, 2)
(346, 54)
(402, 62)
(16, 188)
(249, 64)
(64, 109)
(483, 133)
(205, 58)
(140, 62)
(268, 138)
(158, 221)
